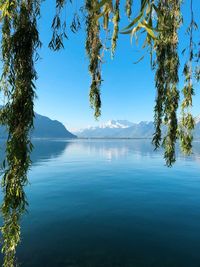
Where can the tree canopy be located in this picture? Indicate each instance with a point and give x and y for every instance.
(157, 24)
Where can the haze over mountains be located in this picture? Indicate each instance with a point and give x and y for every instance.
(125, 129)
(44, 127)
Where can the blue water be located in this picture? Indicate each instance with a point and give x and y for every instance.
(104, 203)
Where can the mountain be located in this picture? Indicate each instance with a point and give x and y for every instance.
(110, 129)
(126, 129)
(117, 124)
(44, 127)
(118, 129)
(196, 133)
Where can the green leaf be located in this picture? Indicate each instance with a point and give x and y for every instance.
(140, 59)
(134, 30)
(127, 32)
(134, 21)
(143, 5)
(148, 28)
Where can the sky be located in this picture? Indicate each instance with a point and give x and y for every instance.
(127, 92)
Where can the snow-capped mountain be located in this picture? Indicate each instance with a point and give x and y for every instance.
(113, 124)
(127, 129)
(118, 129)
(197, 119)
(197, 128)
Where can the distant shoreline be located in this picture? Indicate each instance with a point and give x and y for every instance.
(93, 138)
(114, 138)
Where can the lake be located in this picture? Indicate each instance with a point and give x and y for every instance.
(103, 203)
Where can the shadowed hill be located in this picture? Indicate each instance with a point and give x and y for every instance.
(44, 127)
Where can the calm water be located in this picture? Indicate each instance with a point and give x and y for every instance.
(111, 203)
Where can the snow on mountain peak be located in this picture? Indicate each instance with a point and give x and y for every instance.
(197, 119)
(116, 124)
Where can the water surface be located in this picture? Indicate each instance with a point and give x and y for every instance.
(103, 203)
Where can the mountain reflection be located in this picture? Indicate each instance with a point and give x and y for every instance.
(48, 149)
(45, 150)
(121, 148)
(111, 149)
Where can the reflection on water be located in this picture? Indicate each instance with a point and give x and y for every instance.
(111, 203)
(118, 149)
(111, 149)
(45, 150)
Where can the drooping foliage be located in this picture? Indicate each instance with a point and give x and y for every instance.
(167, 67)
(187, 122)
(93, 48)
(59, 27)
(19, 42)
(157, 22)
(116, 19)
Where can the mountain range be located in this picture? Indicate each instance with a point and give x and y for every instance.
(125, 129)
(44, 127)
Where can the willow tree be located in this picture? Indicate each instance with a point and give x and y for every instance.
(159, 22)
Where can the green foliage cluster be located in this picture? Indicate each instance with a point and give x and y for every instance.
(19, 43)
(93, 48)
(167, 66)
(157, 21)
(187, 122)
(116, 19)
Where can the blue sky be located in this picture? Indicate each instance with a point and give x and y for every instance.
(127, 92)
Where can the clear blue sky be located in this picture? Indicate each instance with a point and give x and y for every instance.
(128, 90)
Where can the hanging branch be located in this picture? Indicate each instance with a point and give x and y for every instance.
(6, 19)
(160, 75)
(107, 9)
(143, 24)
(173, 18)
(167, 77)
(187, 122)
(160, 99)
(116, 20)
(128, 8)
(58, 27)
(17, 115)
(93, 49)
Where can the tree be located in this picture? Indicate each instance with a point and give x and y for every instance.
(158, 21)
